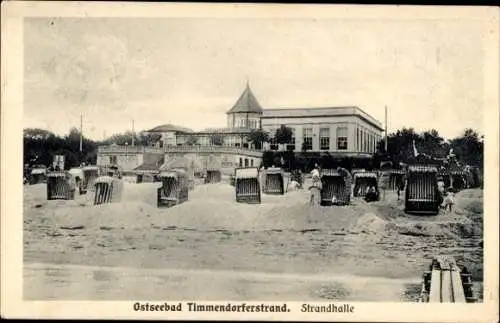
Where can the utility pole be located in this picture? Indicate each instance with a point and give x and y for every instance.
(81, 132)
(133, 133)
(385, 146)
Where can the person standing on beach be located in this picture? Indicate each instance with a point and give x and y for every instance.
(384, 182)
(449, 200)
(400, 184)
(318, 168)
(315, 189)
(70, 179)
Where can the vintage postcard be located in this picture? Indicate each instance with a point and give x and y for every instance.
(249, 162)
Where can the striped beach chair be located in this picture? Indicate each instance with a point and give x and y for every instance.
(336, 187)
(274, 181)
(60, 186)
(247, 186)
(174, 189)
(107, 190)
(422, 192)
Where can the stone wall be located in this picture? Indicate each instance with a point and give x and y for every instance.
(229, 158)
(126, 162)
(228, 161)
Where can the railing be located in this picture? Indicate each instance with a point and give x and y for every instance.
(129, 149)
(214, 149)
(208, 149)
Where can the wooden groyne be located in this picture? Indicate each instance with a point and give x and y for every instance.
(446, 283)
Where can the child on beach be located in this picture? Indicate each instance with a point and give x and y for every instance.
(449, 200)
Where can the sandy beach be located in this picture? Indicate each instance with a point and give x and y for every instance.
(213, 248)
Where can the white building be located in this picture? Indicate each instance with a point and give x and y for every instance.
(337, 130)
(347, 130)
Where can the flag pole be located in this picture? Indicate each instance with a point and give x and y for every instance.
(385, 144)
(133, 133)
(81, 132)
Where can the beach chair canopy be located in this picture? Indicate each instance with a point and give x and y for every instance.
(357, 171)
(366, 175)
(90, 168)
(242, 173)
(177, 162)
(37, 171)
(76, 172)
(104, 179)
(330, 173)
(422, 169)
(144, 169)
(172, 173)
(56, 174)
(274, 170)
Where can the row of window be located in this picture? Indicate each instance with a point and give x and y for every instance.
(366, 141)
(324, 138)
(247, 162)
(251, 123)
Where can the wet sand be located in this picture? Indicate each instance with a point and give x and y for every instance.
(214, 248)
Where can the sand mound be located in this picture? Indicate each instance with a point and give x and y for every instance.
(470, 201)
(208, 214)
(370, 222)
(449, 227)
(130, 215)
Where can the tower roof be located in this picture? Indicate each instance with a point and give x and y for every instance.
(246, 103)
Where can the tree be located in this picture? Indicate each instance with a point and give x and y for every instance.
(400, 145)
(258, 137)
(147, 139)
(36, 133)
(283, 135)
(121, 138)
(327, 161)
(432, 144)
(192, 140)
(469, 148)
(289, 159)
(268, 158)
(217, 139)
(40, 147)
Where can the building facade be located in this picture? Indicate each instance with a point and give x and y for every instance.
(338, 130)
(346, 130)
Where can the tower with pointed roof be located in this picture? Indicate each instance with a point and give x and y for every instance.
(246, 112)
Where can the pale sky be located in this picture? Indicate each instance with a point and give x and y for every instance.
(190, 71)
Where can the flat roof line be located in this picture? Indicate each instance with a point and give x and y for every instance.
(313, 108)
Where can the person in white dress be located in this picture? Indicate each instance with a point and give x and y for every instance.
(449, 200)
(315, 189)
